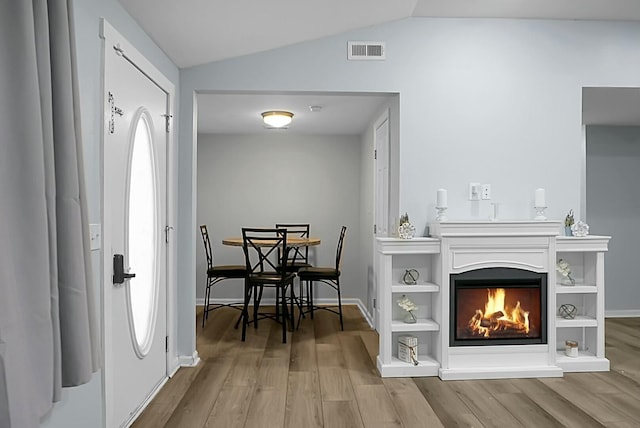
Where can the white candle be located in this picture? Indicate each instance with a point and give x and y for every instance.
(540, 198)
(441, 201)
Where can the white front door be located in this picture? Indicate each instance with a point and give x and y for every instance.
(134, 218)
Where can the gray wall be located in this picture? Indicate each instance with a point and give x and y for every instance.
(82, 406)
(495, 101)
(257, 180)
(612, 207)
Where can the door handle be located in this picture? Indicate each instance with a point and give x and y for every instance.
(119, 275)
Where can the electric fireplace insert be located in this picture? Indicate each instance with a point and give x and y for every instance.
(498, 306)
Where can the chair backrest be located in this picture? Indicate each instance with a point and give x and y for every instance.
(298, 230)
(343, 231)
(265, 250)
(207, 245)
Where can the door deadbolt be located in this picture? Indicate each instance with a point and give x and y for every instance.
(119, 274)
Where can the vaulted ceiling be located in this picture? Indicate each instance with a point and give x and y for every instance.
(194, 32)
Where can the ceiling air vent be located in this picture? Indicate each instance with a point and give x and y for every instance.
(366, 51)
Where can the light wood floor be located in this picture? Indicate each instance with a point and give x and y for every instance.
(325, 377)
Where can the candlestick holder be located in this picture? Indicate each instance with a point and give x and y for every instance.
(540, 213)
(442, 213)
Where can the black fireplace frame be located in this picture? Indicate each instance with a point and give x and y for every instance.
(500, 277)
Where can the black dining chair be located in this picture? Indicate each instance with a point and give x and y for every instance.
(329, 275)
(217, 274)
(298, 257)
(266, 255)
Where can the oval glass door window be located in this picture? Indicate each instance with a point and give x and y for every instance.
(142, 239)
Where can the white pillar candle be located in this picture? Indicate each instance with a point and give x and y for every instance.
(441, 201)
(540, 198)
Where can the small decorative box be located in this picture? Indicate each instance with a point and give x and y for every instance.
(571, 348)
(408, 349)
(408, 340)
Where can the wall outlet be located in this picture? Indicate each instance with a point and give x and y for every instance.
(486, 191)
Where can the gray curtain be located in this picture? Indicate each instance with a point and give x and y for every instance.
(48, 330)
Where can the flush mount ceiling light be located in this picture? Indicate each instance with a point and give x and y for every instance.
(277, 118)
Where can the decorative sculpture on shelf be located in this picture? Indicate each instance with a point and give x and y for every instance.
(565, 270)
(408, 306)
(567, 311)
(568, 222)
(580, 229)
(410, 277)
(406, 230)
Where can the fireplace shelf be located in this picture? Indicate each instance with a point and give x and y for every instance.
(423, 324)
(576, 289)
(585, 256)
(578, 321)
(396, 257)
(458, 247)
(417, 288)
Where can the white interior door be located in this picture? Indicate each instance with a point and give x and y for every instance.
(381, 197)
(134, 207)
(382, 176)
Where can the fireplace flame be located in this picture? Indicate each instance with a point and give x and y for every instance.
(498, 317)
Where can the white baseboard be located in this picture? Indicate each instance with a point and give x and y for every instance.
(622, 314)
(174, 365)
(189, 360)
(320, 301)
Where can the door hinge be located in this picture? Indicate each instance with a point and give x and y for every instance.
(375, 154)
(167, 121)
(375, 229)
(374, 303)
(166, 344)
(167, 229)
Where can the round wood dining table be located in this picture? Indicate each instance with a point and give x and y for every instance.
(291, 241)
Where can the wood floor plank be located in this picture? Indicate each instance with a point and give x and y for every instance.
(375, 406)
(526, 411)
(411, 406)
(341, 414)
(304, 404)
(619, 382)
(165, 402)
(479, 399)
(326, 327)
(270, 395)
(267, 408)
(361, 369)
(588, 402)
(335, 384)
(196, 404)
(231, 407)
(444, 401)
(624, 404)
(370, 339)
(303, 349)
(330, 355)
(562, 410)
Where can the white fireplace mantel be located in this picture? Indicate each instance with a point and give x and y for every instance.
(460, 246)
(494, 228)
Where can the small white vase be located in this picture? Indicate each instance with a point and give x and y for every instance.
(410, 318)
